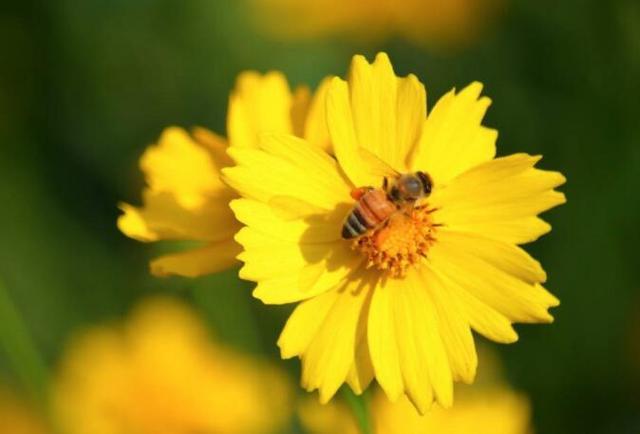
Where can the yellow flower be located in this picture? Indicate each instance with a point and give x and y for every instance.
(491, 407)
(399, 302)
(492, 411)
(17, 417)
(159, 373)
(496, 410)
(331, 418)
(432, 22)
(185, 199)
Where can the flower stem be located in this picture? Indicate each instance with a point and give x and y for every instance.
(23, 355)
(359, 405)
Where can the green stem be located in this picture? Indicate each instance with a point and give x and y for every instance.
(23, 355)
(360, 407)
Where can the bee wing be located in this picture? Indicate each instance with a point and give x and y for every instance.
(376, 165)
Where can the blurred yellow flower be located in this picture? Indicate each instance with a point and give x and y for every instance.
(159, 373)
(495, 410)
(17, 417)
(490, 407)
(398, 302)
(431, 22)
(185, 199)
(331, 418)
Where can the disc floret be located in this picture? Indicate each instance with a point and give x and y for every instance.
(401, 242)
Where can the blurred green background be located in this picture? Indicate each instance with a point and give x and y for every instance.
(85, 86)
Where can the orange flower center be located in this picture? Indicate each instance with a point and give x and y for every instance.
(399, 243)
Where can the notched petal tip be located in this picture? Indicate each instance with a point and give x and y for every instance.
(208, 259)
(242, 236)
(358, 60)
(235, 204)
(252, 78)
(284, 355)
(264, 296)
(335, 86)
(157, 268)
(511, 339)
(472, 90)
(325, 394)
(173, 131)
(235, 153)
(562, 198)
(132, 224)
(413, 79)
(382, 57)
(468, 377)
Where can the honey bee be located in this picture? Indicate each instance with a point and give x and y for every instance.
(375, 206)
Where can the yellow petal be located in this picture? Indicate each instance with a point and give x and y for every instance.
(315, 127)
(319, 167)
(290, 208)
(258, 254)
(197, 262)
(482, 318)
(500, 199)
(373, 96)
(330, 354)
(182, 167)
(261, 217)
(185, 199)
(300, 106)
(501, 275)
(258, 104)
(377, 111)
(298, 286)
(517, 231)
(290, 167)
(134, 225)
(215, 143)
(406, 347)
(343, 135)
(383, 345)
(415, 369)
(411, 112)
(163, 217)
(453, 326)
(361, 373)
(386, 123)
(505, 257)
(420, 339)
(453, 139)
(303, 324)
(299, 271)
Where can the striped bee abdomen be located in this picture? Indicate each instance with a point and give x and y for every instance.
(354, 226)
(371, 209)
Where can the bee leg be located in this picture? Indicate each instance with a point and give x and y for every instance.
(385, 183)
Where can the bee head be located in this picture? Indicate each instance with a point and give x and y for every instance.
(411, 187)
